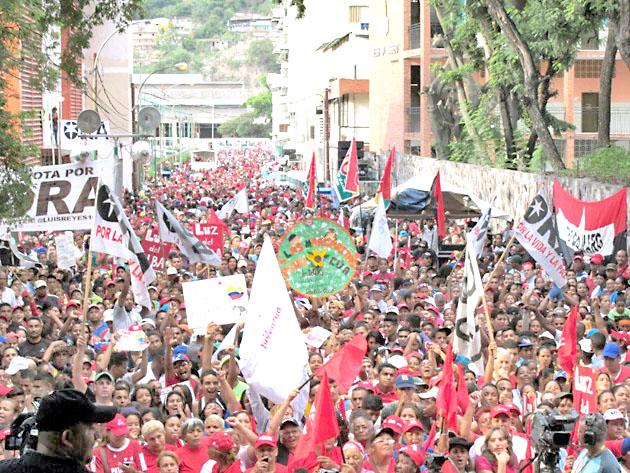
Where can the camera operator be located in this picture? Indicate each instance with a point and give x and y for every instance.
(595, 458)
(65, 421)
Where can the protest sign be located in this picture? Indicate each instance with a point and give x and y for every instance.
(316, 336)
(317, 257)
(155, 250)
(64, 196)
(219, 300)
(65, 250)
(211, 235)
(131, 340)
(585, 397)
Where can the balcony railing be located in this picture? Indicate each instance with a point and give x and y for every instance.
(413, 120)
(414, 36)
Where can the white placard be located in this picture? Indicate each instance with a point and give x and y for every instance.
(131, 340)
(317, 336)
(219, 300)
(65, 250)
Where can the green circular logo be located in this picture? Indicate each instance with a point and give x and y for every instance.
(317, 257)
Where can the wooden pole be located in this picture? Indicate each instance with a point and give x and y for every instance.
(499, 262)
(88, 279)
(487, 312)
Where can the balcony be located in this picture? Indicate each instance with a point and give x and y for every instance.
(413, 120)
(414, 36)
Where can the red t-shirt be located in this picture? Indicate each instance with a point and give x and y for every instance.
(192, 459)
(148, 461)
(278, 469)
(129, 452)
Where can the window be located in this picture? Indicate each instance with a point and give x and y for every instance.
(311, 132)
(588, 69)
(356, 13)
(283, 128)
(343, 110)
(590, 110)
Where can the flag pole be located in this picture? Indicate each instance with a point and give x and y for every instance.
(507, 247)
(87, 285)
(487, 312)
(396, 244)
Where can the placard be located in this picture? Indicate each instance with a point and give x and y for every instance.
(131, 340)
(155, 250)
(210, 234)
(317, 257)
(64, 243)
(584, 395)
(219, 300)
(316, 336)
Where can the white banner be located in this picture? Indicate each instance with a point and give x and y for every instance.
(65, 250)
(103, 146)
(380, 238)
(219, 300)
(64, 196)
(479, 232)
(273, 353)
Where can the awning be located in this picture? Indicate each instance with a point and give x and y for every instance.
(335, 43)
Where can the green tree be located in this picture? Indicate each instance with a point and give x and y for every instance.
(255, 123)
(260, 53)
(23, 25)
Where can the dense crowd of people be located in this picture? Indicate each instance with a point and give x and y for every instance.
(183, 406)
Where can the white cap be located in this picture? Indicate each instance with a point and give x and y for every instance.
(392, 309)
(108, 315)
(586, 345)
(242, 264)
(171, 271)
(430, 394)
(17, 364)
(610, 414)
(303, 303)
(398, 361)
(39, 283)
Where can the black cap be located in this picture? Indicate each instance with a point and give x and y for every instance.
(459, 442)
(67, 407)
(289, 420)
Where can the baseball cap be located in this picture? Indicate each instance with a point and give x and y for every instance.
(516, 259)
(393, 422)
(180, 357)
(404, 381)
(611, 350)
(118, 425)
(459, 442)
(611, 266)
(108, 315)
(18, 363)
(391, 309)
(525, 342)
(265, 439)
(416, 455)
(39, 283)
(150, 322)
(578, 257)
(560, 374)
(613, 414)
(376, 287)
(430, 394)
(512, 407)
(498, 410)
(221, 441)
(67, 407)
(171, 271)
(287, 421)
(412, 424)
(597, 258)
(93, 306)
(352, 444)
(104, 374)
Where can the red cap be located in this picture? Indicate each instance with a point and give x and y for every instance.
(512, 407)
(433, 381)
(412, 424)
(365, 385)
(580, 257)
(4, 390)
(401, 305)
(597, 258)
(393, 422)
(4, 433)
(86, 379)
(434, 309)
(118, 425)
(414, 453)
(221, 441)
(396, 349)
(265, 439)
(72, 304)
(500, 409)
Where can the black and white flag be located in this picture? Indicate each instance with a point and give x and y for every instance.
(467, 340)
(171, 231)
(479, 232)
(112, 234)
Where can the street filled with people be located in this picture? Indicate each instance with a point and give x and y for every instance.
(532, 397)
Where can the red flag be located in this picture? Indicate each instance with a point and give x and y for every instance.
(352, 179)
(385, 186)
(436, 193)
(344, 366)
(567, 351)
(462, 391)
(312, 182)
(321, 425)
(429, 442)
(215, 220)
(446, 403)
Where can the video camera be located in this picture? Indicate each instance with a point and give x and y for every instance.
(550, 429)
(23, 434)
(434, 461)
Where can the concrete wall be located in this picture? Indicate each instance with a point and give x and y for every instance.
(514, 190)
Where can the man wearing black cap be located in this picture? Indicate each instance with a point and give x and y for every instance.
(65, 421)
(458, 454)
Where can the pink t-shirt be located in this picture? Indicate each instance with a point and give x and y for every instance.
(481, 464)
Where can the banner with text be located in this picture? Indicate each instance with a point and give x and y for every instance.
(211, 235)
(585, 397)
(64, 196)
(155, 250)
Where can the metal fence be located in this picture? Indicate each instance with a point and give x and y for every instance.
(413, 120)
(414, 36)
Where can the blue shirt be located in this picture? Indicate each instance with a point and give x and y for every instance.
(605, 462)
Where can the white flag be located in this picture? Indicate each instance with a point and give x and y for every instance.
(467, 340)
(479, 232)
(273, 353)
(239, 203)
(380, 239)
(172, 231)
(112, 234)
(538, 234)
(25, 261)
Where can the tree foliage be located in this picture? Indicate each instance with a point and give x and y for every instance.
(255, 123)
(30, 31)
